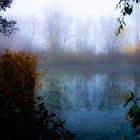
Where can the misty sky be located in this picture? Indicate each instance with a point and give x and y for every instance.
(95, 8)
(29, 11)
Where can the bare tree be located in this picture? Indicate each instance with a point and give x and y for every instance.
(108, 28)
(28, 32)
(82, 35)
(58, 27)
(111, 43)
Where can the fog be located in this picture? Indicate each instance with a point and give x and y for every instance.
(73, 32)
(77, 67)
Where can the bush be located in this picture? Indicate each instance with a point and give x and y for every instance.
(20, 116)
(17, 82)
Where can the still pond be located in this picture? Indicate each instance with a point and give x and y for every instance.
(91, 100)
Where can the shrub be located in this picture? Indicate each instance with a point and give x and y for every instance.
(20, 116)
(17, 82)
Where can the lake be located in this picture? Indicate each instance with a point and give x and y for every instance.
(91, 100)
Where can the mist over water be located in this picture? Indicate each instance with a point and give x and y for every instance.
(91, 100)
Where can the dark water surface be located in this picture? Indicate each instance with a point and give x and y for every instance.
(91, 100)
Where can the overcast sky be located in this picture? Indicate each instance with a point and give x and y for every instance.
(95, 8)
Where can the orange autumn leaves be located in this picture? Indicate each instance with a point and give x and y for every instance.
(17, 81)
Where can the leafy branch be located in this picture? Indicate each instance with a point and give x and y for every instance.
(126, 7)
(134, 113)
(49, 126)
(6, 27)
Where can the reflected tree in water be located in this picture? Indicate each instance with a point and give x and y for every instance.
(57, 96)
(82, 94)
(136, 83)
(112, 95)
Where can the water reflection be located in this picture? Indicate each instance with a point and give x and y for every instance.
(82, 92)
(57, 95)
(112, 94)
(91, 101)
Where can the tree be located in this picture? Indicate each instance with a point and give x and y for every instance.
(28, 33)
(110, 43)
(6, 27)
(58, 28)
(82, 35)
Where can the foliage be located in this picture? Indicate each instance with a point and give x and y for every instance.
(18, 75)
(4, 4)
(49, 126)
(17, 82)
(6, 27)
(126, 7)
(134, 113)
(20, 116)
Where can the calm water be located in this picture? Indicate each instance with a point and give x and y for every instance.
(91, 100)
